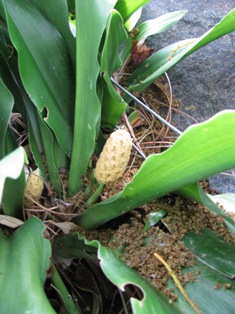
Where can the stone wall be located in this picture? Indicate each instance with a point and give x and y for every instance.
(204, 83)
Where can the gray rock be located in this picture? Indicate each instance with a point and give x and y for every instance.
(224, 183)
(204, 82)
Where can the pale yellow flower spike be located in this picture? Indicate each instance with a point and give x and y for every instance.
(33, 189)
(114, 158)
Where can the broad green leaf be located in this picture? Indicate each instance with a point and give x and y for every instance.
(75, 246)
(24, 261)
(41, 138)
(112, 103)
(127, 7)
(9, 71)
(208, 291)
(12, 203)
(10, 142)
(214, 257)
(31, 117)
(167, 57)
(43, 51)
(91, 19)
(6, 109)
(12, 179)
(57, 13)
(212, 251)
(9, 76)
(197, 154)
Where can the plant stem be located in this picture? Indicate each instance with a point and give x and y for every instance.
(70, 306)
(93, 198)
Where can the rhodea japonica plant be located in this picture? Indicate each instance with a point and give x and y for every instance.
(66, 132)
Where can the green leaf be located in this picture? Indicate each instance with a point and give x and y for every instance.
(12, 178)
(43, 51)
(113, 105)
(204, 292)
(38, 144)
(12, 203)
(167, 57)
(57, 13)
(69, 303)
(115, 35)
(153, 218)
(213, 252)
(196, 154)
(130, 24)
(91, 19)
(10, 73)
(127, 7)
(24, 261)
(6, 109)
(215, 262)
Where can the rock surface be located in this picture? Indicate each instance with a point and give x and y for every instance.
(204, 82)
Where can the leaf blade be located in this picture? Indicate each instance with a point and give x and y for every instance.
(209, 280)
(6, 109)
(113, 105)
(23, 268)
(50, 88)
(128, 7)
(87, 107)
(12, 178)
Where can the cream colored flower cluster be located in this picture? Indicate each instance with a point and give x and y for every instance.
(33, 189)
(114, 158)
